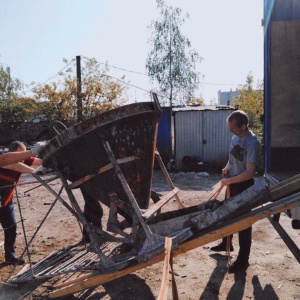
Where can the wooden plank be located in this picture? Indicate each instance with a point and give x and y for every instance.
(167, 176)
(165, 199)
(126, 188)
(285, 187)
(101, 170)
(163, 293)
(241, 203)
(218, 232)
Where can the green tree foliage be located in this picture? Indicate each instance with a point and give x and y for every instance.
(252, 102)
(169, 62)
(9, 87)
(58, 100)
(13, 106)
(21, 109)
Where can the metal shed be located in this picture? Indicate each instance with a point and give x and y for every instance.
(201, 132)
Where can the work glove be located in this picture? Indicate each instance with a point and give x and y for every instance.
(38, 146)
(40, 169)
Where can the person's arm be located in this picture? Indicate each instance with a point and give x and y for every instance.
(37, 162)
(247, 174)
(14, 157)
(20, 167)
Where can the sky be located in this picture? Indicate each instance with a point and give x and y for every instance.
(37, 34)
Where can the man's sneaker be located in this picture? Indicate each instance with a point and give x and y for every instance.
(14, 261)
(238, 265)
(221, 247)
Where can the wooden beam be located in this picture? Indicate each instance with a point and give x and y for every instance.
(255, 195)
(218, 232)
(101, 170)
(167, 176)
(163, 293)
(285, 187)
(165, 199)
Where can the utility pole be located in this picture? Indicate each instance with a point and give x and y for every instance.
(170, 69)
(79, 93)
(171, 86)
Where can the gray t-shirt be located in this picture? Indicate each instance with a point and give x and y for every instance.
(243, 150)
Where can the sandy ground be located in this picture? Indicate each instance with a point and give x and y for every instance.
(200, 273)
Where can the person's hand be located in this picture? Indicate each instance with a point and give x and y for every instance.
(224, 172)
(40, 169)
(224, 181)
(37, 148)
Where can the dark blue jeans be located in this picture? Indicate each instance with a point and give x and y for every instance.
(9, 225)
(245, 236)
(92, 212)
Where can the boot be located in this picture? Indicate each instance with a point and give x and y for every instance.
(222, 246)
(239, 265)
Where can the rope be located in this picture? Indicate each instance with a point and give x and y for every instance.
(216, 194)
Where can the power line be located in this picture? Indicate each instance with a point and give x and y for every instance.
(122, 69)
(210, 83)
(125, 70)
(57, 73)
(118, 68)
(125, 83)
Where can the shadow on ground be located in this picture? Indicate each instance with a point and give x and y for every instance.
(236, 291)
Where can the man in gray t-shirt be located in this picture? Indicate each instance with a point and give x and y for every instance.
(238, 176)
(243, 150)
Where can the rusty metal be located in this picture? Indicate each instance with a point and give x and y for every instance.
(131, 132)
(111, 157)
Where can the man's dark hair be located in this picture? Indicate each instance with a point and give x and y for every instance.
(15, 145)
(240, 118)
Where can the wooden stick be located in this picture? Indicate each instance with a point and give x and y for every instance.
(163, 294)
(163, 168)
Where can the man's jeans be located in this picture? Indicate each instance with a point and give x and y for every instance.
(9, 224)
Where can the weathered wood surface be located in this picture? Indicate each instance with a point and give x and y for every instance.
(254, 196)
(165, 199)
(200, 239)
(246, 200)
(167, 176)
(285, 187)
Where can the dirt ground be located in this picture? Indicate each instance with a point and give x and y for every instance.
(200, 273)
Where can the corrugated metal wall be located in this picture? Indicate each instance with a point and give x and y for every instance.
(202, 134)
(188, 135)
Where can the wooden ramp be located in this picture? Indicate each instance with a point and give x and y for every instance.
(201, 238)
